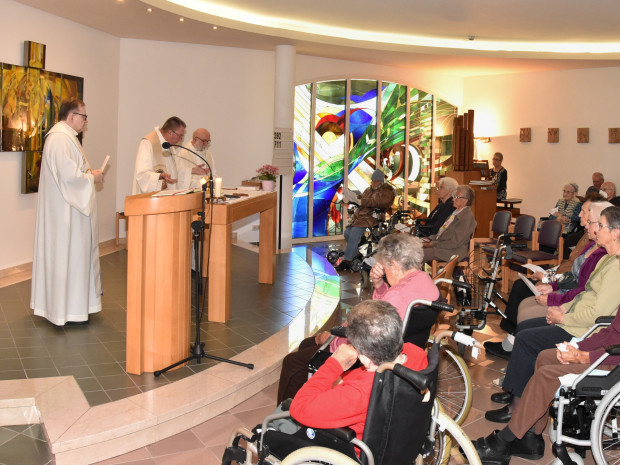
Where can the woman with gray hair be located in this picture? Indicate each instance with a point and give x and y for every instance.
(454, 235)
(400, 258)
(445, 207)
(567, 209)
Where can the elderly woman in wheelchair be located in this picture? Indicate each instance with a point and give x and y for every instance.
(399, 258)
(335, 397)
(522, 437)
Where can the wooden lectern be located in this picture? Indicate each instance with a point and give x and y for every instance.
(158, 279)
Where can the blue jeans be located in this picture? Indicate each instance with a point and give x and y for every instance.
(352, 234)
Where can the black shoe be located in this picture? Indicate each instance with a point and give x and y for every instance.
(531, 446)
(496, 349)
(493, 449)
(343, 265)
(501, 415)
(76, 323)
(502, 397)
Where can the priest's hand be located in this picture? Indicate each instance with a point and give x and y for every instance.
(200, 170)
(167, 178)
(98, 174)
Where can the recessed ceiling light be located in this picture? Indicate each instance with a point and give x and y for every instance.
(149, 10)
(181, 19)
(214, 27)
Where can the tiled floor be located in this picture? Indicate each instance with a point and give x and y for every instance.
(205, 443)
(31, 347)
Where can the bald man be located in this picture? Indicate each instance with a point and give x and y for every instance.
(201, 141)
(610, 191)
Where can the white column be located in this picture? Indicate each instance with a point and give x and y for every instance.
(284, 97)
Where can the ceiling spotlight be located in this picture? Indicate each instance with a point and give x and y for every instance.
(149, 10)
(181, 19)
(214, 27)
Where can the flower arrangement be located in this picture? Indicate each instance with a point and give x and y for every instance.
(267, 173)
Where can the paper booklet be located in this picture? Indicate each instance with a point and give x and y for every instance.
(529, 284)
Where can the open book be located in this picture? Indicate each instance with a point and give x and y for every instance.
(168, 192)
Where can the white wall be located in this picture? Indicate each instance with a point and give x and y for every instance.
(226, 90)
(71, 49)
(561, 99)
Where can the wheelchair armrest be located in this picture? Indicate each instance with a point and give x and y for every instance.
(613, 349)
(339, 331)
(345, 434)
(601, 320)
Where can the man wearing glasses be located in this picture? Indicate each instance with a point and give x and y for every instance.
(192, 168)
(156, 167)
(66, 282)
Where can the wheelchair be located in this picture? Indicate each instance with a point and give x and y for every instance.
(483, 280)
(368, 242)
(586, 413)
(454, 386)
(403, 423)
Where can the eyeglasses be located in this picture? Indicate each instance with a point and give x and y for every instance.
(204, 141)
(601, 225)
(81, 114)
(465, 198)
(177, 134)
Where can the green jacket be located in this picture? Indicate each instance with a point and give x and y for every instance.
(601, 297)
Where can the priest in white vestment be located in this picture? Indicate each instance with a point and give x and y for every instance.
(157, 168)
(187, 161)
(66, 278)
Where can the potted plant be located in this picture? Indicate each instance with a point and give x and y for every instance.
(267, 175)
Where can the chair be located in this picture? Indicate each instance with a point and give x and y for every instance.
(119, 216)
(435, 264)
(499, 225)
(524, 225)
(446, 272)
(549, 237)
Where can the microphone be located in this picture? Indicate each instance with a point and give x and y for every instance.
(167, 145)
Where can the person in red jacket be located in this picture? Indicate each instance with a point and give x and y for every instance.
(335, 397)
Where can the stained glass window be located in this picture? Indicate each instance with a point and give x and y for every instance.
(332, 132)
(420, 134)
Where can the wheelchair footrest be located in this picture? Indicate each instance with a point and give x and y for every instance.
(471, 320)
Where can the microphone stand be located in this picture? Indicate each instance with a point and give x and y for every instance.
(197, 349)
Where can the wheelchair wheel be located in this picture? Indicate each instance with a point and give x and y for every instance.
(604, 433)
(356, 265)
(437, 446)
(454, 388)
(462, 450)
(333, 256)
(314, 455)
(574, 456)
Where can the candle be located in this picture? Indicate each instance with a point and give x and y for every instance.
(217, 187)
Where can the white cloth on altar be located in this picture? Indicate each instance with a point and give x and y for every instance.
(186, 161)
(66, 278)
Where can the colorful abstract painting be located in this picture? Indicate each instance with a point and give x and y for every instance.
(31, 99)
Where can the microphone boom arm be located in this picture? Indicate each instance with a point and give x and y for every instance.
(167, 145)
